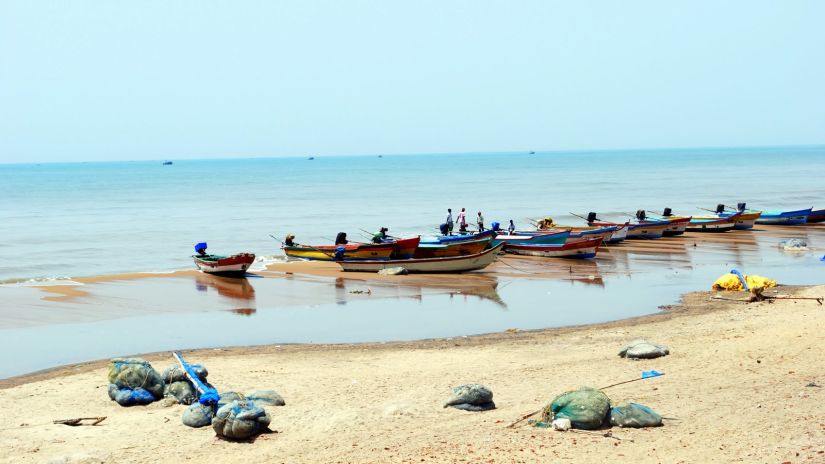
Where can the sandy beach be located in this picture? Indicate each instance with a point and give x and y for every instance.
(742, 384)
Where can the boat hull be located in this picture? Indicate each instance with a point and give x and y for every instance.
(404, 247)
(745, 220)
(676, 224)
(428, 265)
(331, 253)
(446, 250)
(639, 231)
(581, 249)
(225, 265)
(817, 215)
(553, 238)
(784, 218)
(458, 238)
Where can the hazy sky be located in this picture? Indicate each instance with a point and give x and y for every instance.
(112, 80)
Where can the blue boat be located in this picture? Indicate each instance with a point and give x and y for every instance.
(556, 238)
(785, 218)
(456, 238)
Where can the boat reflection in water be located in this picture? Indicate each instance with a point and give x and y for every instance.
(479, 286)
(233, 288)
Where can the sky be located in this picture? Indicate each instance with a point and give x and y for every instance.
(123, 80)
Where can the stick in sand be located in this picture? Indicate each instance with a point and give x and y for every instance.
(79, 421)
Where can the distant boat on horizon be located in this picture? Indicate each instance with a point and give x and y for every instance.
(311, 158)
(167, 163)
(532, 153)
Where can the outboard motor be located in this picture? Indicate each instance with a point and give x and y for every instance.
(200, 248)
(740, 206)
(341, 238)
(495, 226)
(720, 208)
(667, 212)
(640, 214)
(591, 217)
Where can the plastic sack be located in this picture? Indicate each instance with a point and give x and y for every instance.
(587, 408)
(634, 415)
(471, 397)
(131, 379)
(239, 420)
(266, 398)
(732, 282)
(642, 349)
(198, 415)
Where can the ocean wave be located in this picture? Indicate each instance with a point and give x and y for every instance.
(261, 262)
(38, 281)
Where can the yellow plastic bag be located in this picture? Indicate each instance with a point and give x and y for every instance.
(732, 282)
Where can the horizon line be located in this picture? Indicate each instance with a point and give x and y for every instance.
(434, 153)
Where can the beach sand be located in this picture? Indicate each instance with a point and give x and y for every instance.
(738, 386)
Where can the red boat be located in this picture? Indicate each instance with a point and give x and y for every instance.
(404, 247)
(225, 265)
(581, 249)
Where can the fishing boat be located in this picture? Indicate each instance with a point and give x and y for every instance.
(581, 235)
(817, 215)
(234, 265)
(404, 247)
(428, 265)
(676, 224)
(617, 233)
(457, 238)
(351, 251)
(713, 223)
(746, 219)
(785, 218)
(580, 249)
(639, 230)
(444, 250)
(552, 238)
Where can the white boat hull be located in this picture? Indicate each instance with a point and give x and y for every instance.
(430, 265)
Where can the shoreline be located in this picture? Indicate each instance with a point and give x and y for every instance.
(733, 371)
(685, 307)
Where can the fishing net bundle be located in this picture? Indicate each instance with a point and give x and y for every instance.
(471, 397)
(178, 385)
(240, 419)
(634, 415)
(201, 415)
(134, 381)
(586, 408)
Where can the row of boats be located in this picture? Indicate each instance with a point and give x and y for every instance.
(472, 251)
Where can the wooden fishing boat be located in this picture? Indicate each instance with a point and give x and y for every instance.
(713, 223)
(677, 224)
(580, 249)
(553, 238)
(428, 265)
(444, 250)
(644, 230)
(351, 251)
(234, 265)
(581, 234)
(617, 233)
(404, 247)
(785, 218)
(817, 215)
(458, 238)
(746, 220)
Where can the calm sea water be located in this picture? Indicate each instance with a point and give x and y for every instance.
(59, 220)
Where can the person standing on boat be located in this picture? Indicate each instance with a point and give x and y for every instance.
(511, 228)
(449, 221)
(462, 221)
(480, 222)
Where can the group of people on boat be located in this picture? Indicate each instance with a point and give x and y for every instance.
(461, 220)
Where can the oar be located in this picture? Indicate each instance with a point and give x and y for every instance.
(709, 210)
(208, 395)
(582, 217)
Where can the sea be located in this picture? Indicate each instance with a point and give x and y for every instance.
(63, 220)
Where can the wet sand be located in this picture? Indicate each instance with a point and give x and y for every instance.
(742, 384)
